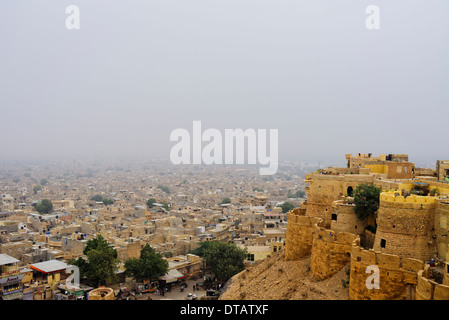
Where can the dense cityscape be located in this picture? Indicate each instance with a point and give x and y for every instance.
(171, 208)
(251, 155)
(93, 231)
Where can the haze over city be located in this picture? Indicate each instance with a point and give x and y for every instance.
(240, 152)
(135, 71)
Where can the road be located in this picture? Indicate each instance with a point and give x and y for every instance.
(175, 293)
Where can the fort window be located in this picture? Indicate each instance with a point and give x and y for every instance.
(251, 257)
(399, 169)
(334, 217)
(406, 169)
(383, 243)
(350, 191)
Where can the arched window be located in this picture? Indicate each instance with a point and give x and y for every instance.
(350, 191)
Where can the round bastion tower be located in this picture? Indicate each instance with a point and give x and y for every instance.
(405, 226)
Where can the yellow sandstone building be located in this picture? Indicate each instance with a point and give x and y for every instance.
(409, 246)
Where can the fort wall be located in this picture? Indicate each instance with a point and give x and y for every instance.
(442, 229)
(398, 277)
(324, 189)
(410, 231)
(428, 289)
(299, 237)
(331, 251)
(344, 219)
(404, 226)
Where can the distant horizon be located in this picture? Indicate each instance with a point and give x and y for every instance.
(133, 72)
(129, 159)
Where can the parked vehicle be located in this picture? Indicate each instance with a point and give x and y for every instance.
(191, 296)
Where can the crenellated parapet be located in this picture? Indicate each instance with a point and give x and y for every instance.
(430, 289)
(397, 276)
(405, 226)
(299, 236)
(331, 251)
(412, 201)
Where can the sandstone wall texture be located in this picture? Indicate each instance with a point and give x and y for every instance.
(442, 229)
(299, 236)
(398, 277)
(428, 289)
(331, 251)
(405, 226)
(323, 190)
(344, 219)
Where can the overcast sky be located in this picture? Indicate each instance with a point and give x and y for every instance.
(136, 70)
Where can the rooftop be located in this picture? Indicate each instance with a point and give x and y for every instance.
(5, 259)
(49, 266)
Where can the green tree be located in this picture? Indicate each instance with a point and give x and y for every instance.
(150, 202)
(165, 206)
(44, 182)
(164, 188)
(82, 265)
(225, 201)
(102, 266)
(167, 254)
(150, 265)
(108, 201)
(287, 206)
(223, 259)
(366, 200)
(99, 243)
(297, 194)
(44, 207)
(101, 261)
(37, 188)
(434, 191)
(203, 247)
(97, 198)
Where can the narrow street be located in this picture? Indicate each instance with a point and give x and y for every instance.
(175, 293)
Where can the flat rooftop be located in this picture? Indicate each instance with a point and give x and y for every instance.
(5, 259)
(49, 266)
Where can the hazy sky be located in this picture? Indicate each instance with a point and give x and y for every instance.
(136, 70)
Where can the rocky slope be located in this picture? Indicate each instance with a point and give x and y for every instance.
(277, 279)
